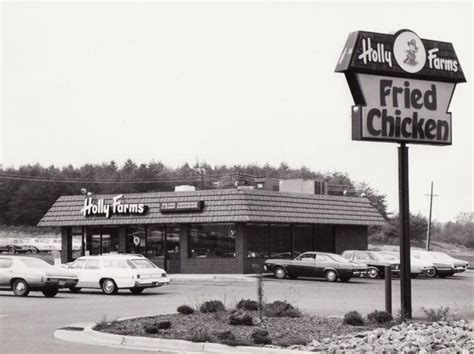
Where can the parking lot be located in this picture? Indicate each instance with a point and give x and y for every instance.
(36, 317)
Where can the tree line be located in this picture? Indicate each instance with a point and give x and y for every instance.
(27, 192)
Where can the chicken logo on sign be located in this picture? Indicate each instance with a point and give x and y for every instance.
(409, 52)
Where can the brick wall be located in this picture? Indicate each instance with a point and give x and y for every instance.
(350, 237)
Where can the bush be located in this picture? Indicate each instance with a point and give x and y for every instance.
(260, 336)
(225, 336)
(240, 319)
(164, 325)
(281, 309)
(200, 335)
(353, 318)
(185, 309)
(248, 305)
(151, 329)
(439, 314)
(212, 306)
(379, 317)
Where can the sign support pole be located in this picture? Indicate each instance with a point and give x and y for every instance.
(404, 216)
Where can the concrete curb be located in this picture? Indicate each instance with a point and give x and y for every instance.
(92, 337)
(211, 278)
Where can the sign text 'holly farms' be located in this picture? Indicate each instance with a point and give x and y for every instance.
(399, 109)
(118, 207)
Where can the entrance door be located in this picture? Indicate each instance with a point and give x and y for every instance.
(101, 240)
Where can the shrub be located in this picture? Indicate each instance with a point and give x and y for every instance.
(260, 336)
(379, 317)
(151, 329)
(185, 309)
(281, 309)
(200, 335)
(248, 305)
(225, 336)
(212, 306)
(240, 319)
(439, 314)
(353, 318)
(164, 325)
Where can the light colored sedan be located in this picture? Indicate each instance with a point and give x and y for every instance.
(25, 274)
(119, 271)
(418, 266)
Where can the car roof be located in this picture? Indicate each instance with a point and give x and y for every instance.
(109, 256)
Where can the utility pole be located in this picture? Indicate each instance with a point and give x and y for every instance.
(428, 232)
(201, 171)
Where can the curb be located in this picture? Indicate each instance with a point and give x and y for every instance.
(92, 337)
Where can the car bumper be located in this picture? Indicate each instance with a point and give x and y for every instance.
(151, 283)
(360, 273)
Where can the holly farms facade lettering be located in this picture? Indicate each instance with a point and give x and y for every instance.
(118, 207)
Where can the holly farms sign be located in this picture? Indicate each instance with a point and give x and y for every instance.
(402, 86)
(118, 207)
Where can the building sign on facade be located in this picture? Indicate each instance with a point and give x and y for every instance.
(402, 87)
(118, 207)
(181, 206)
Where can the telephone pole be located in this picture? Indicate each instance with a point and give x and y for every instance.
(428, 232)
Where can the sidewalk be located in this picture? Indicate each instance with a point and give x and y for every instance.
(212, 277)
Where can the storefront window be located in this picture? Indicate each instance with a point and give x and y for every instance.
(303, 239)
(257, 240)
(136, 240)
(280, 241)
(172, 241)
(156, 244)
(110, 241)
(211, 240)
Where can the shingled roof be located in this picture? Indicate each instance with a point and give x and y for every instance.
(228, 205)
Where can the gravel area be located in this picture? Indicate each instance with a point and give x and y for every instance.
(438, 337)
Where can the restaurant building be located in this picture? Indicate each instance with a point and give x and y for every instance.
(210, 231)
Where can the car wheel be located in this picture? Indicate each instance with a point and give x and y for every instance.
(34, 250)
(50, 292)
(74, 289)
(345, 279)
(136, 291)
(279, 272)
(373, 273)
(11, 250)
(21, 288)
(109, 287)
(330, 275)
(431, 273)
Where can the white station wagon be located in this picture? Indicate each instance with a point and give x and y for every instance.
(119, 271)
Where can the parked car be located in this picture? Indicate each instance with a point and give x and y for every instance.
(417, 266)
(443, 268)
(24, 274)
(30, 249)
(11, 248)
(459, 265)
(374, 262)
(119, 271)
(314, 264)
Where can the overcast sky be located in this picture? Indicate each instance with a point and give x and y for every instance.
(225, 83)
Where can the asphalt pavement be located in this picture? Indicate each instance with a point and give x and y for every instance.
(27, 324)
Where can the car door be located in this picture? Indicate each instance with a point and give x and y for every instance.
(303, 266)
(6, 272)
(90, 274)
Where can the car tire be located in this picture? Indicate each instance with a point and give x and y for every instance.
(373, 273)
(50, 292)
(279, 272)
(20, 287)
(431, 273)
(74, 289)
(109, 287)
(11, 250)
(330, 275)
(34, 250)
(136, 291)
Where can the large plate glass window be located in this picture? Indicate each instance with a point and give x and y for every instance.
(280, 241)
(257, 240)
(136, 240)
(303, 239)
(211, 240)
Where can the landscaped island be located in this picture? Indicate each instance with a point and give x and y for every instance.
(279, 324)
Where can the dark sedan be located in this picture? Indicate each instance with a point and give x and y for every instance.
(314, 264)
(375, 262)
(11, 249)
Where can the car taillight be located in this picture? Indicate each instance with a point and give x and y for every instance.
(164, 275)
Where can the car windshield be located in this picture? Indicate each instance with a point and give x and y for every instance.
(35, 263)
(338, 258)
(142, 263)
